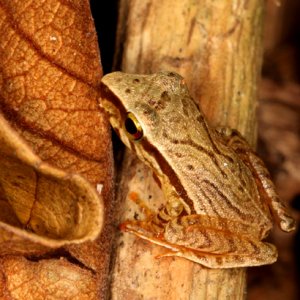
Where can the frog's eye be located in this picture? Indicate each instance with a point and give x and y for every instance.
(133, 127)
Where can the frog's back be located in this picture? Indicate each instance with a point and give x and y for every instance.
(215, 181)
(180, 147)
(208, 174)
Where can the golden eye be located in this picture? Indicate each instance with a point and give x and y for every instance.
(133, 127)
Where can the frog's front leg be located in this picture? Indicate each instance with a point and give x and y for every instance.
(235, 141)
(209, 241)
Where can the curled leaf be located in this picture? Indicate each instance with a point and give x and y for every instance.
(43, 206)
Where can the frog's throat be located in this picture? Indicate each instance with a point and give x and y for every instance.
(168, 171)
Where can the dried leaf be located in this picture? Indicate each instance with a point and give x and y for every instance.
(49, 75)
(59, 208)
(49, 84)
(35, 280)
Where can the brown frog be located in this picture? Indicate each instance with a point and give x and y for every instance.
(220, 200)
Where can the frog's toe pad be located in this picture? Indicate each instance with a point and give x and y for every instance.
(287, 224)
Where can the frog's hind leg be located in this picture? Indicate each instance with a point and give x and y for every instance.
(268, 255)
(219, 243)
(268, 192)
(266, 187)
(207, 241)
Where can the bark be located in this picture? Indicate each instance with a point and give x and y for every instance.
(217, 47)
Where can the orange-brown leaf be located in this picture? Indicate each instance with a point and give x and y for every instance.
(49, 74)
(55, 207)
(36, 280)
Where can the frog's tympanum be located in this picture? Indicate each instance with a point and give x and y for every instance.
(220, 200)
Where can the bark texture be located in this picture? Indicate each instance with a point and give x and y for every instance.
(217, 47)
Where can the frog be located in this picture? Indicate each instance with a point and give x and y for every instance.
(220, 202)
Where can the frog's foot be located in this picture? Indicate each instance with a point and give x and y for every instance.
(212, 246)
(232, 137)
(281, 214)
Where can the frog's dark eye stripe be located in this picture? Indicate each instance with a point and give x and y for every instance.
(133, 127)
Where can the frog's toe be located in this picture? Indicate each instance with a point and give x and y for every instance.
(287, 224)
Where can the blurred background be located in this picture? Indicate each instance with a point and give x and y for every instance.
(278, 131)
(279, 143)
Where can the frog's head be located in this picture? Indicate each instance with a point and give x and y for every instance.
(137, 105)
(145, 110)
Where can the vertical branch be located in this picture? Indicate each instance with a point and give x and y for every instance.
(217, 47)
